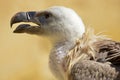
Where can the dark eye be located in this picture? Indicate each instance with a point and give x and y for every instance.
(47, 15)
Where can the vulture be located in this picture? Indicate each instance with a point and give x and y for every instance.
(77, 53)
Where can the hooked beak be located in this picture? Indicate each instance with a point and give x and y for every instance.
(23, 17)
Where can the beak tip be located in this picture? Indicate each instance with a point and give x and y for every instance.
(18, 17)
(22, 17)
(11, 24)
(13, 20)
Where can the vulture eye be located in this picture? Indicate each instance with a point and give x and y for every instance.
(47, 15)
(43, 17)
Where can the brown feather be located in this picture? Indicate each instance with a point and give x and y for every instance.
(98, 51)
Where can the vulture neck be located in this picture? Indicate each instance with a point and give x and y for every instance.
(61, 48)
(56, 58)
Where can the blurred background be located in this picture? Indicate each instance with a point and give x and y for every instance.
(25, 57)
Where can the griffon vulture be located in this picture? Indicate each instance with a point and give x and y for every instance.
(77, 53)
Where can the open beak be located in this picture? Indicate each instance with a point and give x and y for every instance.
(23, 17)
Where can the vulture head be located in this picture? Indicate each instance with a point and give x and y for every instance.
(57, 23)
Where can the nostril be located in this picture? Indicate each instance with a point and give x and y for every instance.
(31, 14)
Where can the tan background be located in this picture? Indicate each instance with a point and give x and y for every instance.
(25, 57)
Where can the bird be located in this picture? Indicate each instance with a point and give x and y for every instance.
(77, 52)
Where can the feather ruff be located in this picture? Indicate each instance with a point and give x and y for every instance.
(84, 49)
